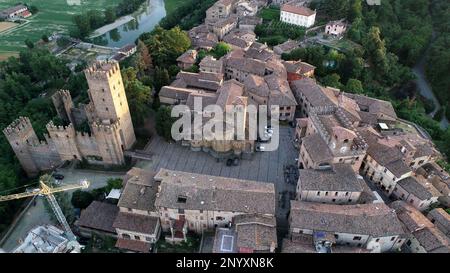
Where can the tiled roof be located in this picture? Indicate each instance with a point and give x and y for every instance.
(340, 177)
(139, 191)
(300, 10)
(214, 193)
(442, 217)
(317, 148)
(433, 240)
(312, 92)
(136, 222)
(255, 232)
(421, 189)
(376, 220)
(133, 245)
(99, 216)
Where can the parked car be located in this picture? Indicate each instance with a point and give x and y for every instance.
(260, 148)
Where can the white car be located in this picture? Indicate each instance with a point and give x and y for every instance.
(260, 148)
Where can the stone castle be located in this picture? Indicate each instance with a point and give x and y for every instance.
(108, 117)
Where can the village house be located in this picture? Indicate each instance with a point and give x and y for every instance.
(187, 59)
(441, 219)
(371, 226)
(137, 223)
(202, 38)
(249, 22)
(338, 184)
(439, 178)
(422, 236)
(319, 243)
(220, 10)
(297, 70)
(286, 47)
(246, 8)
(199, 202)
(240, 39)
(224, 26)
(211, 65)
(336, 28)
(249, 233)
(98, 218)
(417, 191)
(297, 15)
(19, 11)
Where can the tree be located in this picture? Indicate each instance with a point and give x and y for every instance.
(164, 122)
(81, 199)
(221, 49)
(354, 86)
(332, 80)
(161, 78)
(143, 59)
(110, 15)
(138, 95)
(29, 43)
(114, 183)
(44, 38)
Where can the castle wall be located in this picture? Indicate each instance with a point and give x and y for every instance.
(44, 154)
(87, 144)
(64, 140)
(108, 140)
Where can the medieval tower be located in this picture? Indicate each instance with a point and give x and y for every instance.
(108, 116)
(108, 99)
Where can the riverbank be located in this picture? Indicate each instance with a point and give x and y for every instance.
(106, 28)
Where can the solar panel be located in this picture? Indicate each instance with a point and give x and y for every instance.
(227, 243)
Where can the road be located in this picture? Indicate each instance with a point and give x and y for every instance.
(423, 86)
(38, 215)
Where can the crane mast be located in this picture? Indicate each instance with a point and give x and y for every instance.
(48, 192)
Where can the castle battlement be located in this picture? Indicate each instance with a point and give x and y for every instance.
(51, 127)
(18, 126)
(105, 127)
(63, 94)
(102, 70)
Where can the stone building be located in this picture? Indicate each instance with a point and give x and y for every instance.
(108, 116)
(371, 226)
(199, 202)
(220, 10)
(336, 185)
(417, 191)
(422, 236)
(336, 28)
(441, 219)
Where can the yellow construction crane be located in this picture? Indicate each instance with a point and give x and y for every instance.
(48, 192)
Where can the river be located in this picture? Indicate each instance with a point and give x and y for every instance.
(144, 20)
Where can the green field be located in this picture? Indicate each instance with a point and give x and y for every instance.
(270, 13)
(53, 16)
(172, 5)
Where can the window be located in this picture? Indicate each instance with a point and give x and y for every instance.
(318, 193)
(137, 237)
(357, 238)
(336, 194)
(349, 200)
(326, 193)
(219, 218)
(346, 194)
(106, 109)
(377, 240)
(181, 199)
(181, 211)
(130, 209)
(393, 238)
(408, 243)
(126, 236)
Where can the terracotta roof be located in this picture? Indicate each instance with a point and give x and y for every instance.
(188, 57)
(255, 232)
(341, 177)
(441, 217)
(317, 148)
(214, 193)
(229, 92)
(202, 80)
(421, 189)
(99, 216)
(376, 220)
(411, 218)
(312, 92)
(139, 191)
(300, 10)
(433, 240)
(136, 222)
(133, 245)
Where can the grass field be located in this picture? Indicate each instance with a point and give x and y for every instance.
(53, 16)
(270, 13)
(6, 25)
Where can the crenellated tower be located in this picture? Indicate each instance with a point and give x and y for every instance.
(64, 139)
(108, 99)
(20, 135)
(108, 139)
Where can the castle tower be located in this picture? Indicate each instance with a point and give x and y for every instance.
(107, 136)
(64, 139)
(20, 135)
(62, 100)
(108, 98)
